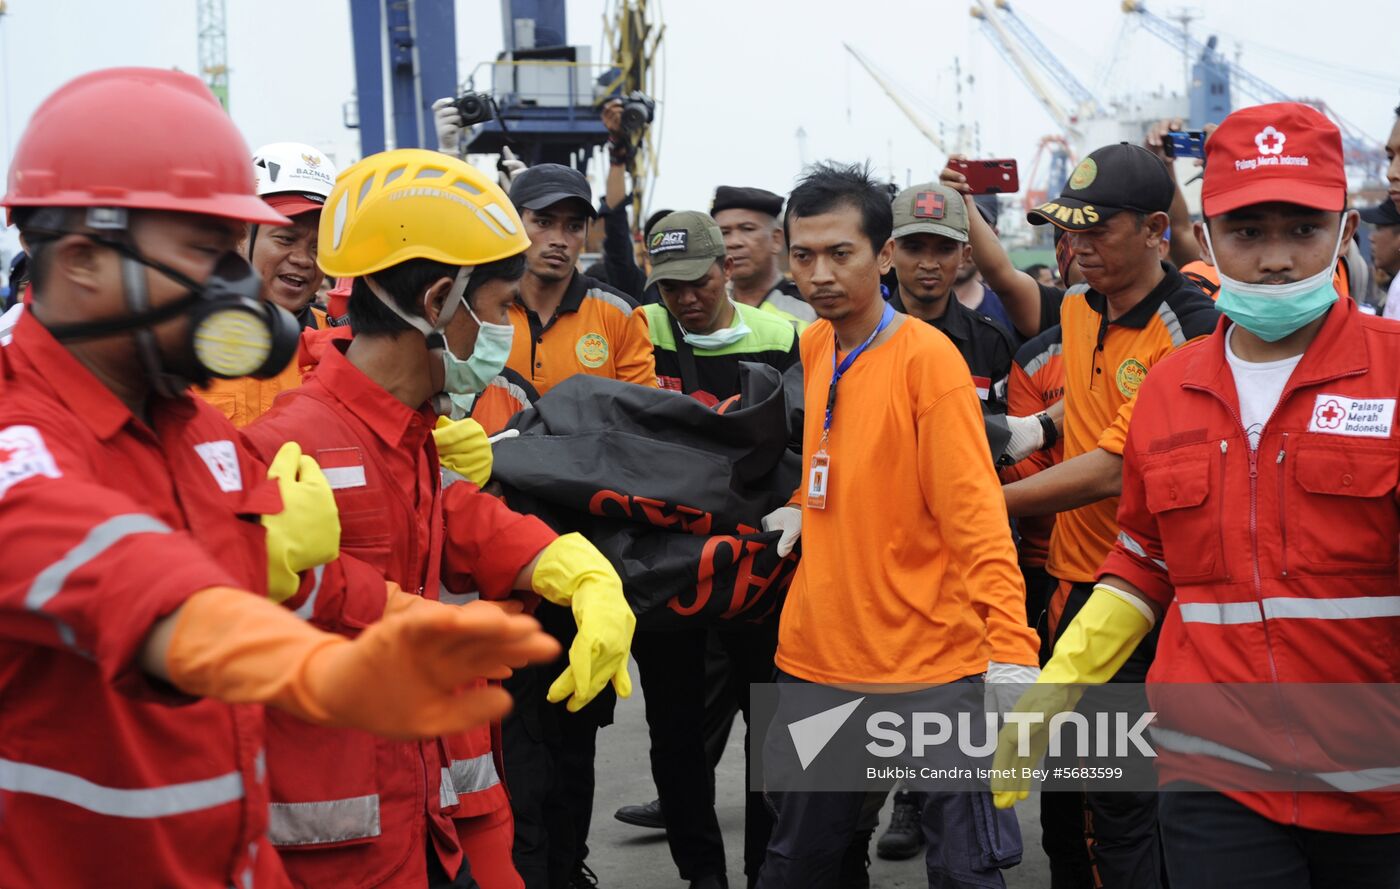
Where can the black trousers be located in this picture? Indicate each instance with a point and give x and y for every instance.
(1124, 844)
(1063, 815)
(967, 841)
(673, 672)
(1213, 842)
(548, 754)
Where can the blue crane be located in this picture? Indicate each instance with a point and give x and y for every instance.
(1363, 155)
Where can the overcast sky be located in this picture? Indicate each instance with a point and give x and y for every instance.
(741, 75)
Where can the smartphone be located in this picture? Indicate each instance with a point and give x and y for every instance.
(1187, 143)
(997, 176)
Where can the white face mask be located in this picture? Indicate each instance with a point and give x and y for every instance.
(727, 336)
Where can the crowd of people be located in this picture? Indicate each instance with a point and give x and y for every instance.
(268, 621)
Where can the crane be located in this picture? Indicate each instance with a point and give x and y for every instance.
(1362, 154)
(211, 24)
(1084, 101)
(996, 32)
(1057, 147)
(914, 117)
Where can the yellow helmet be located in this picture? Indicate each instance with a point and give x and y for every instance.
(415, 204)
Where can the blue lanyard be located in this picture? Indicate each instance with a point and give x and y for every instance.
(837, 372)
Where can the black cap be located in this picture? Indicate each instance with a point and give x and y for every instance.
(1112, 179)
(547, 184)
(729, 197)
(1383, 213)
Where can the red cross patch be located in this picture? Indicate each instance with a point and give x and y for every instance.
(929, 205)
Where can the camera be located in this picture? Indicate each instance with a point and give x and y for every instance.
(638, 110)
(475, 108)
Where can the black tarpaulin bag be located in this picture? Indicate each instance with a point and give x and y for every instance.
(671, 491)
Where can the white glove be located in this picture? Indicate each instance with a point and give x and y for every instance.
(503, 435)
(448, 121)
(511, 166)
(787, 519)
(1027, 437)
(1005, 685)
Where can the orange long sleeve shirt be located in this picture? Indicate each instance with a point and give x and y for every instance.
(909, 573)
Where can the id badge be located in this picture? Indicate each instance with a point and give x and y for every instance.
(817, 477)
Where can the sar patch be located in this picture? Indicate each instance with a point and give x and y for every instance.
(592, 349)
(1359, 417)
(23, 455)
(222, 460)
(670, 241)
(1130, 375)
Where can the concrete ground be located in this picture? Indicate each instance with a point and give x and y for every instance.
(626, 857)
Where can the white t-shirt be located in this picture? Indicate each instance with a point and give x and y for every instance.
(1259, 385)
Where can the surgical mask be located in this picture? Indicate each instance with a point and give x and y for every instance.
(432, 333)
(488, 358)
(1273, 311)
(720, 338)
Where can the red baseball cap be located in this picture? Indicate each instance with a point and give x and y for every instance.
(1286, 152)
(293, 203)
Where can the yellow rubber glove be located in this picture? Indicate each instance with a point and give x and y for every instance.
(571, 571)
(306, 533)
(1093, 647)
(402, 678)
(462, 447)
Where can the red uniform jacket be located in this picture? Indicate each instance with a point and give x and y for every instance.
(1277, 565)
(350, 809)
(109, 525)
(1036, 382)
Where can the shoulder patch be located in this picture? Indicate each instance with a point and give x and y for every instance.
(222, 459)
(23, 455)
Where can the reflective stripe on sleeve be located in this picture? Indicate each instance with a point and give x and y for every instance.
(100, 539)
(331, 821)
(308, 608)
(1136, 549)
(147, 802)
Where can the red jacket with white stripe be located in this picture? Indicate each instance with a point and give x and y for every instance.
(109, 525)
(350, 809)
(1277, 566)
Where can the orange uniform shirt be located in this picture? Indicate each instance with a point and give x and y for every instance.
(909, 573)
(592, 332)
(1104, 364)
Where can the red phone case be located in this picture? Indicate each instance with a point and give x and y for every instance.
(993, 176)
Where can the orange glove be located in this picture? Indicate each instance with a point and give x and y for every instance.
(402, 678)
(400, 601)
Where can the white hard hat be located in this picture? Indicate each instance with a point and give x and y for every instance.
(293, 168)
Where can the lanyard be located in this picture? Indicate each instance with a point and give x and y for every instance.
(839, 371)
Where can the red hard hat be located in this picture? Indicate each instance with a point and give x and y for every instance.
(139, 138)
